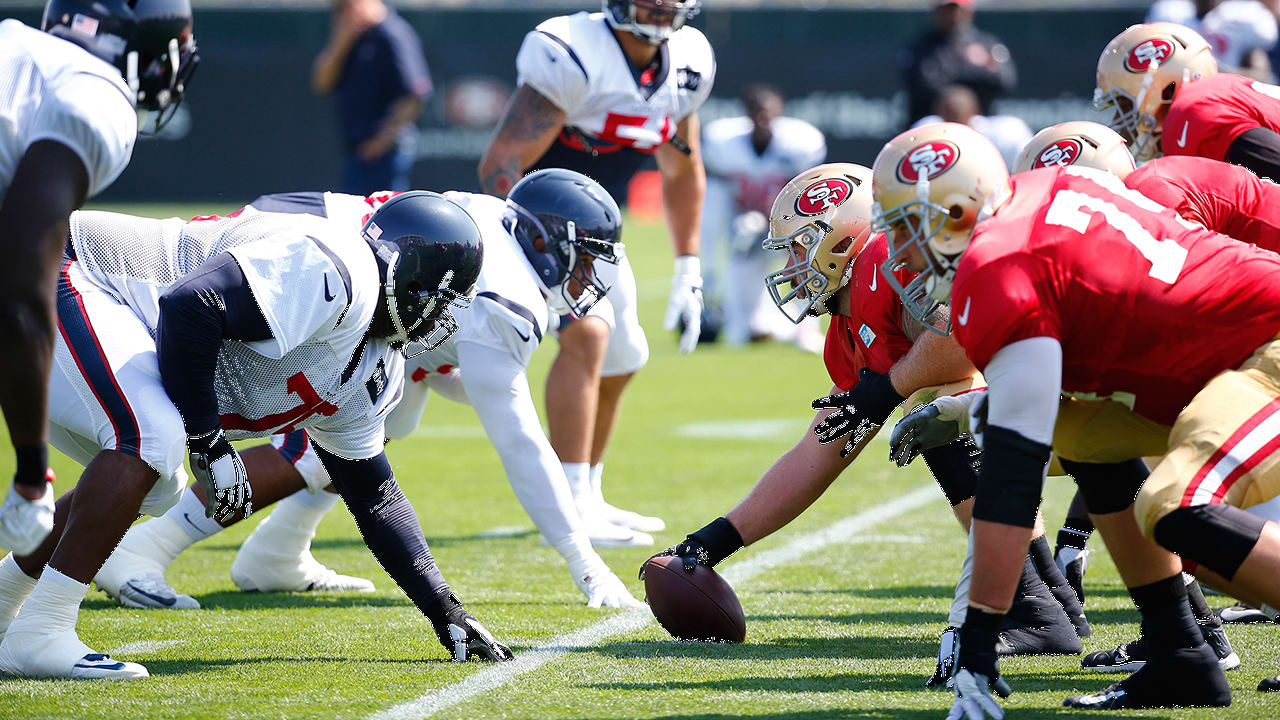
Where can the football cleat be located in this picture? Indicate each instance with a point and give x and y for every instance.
(1186, 677)
(1132, 655)
(1242, 613)
(1271, 684)
(257, 569)
(606, 534)
(628, 519)
(133, 575)
(24, 524)
(1073, 562)
(61, 655)
(1036, 624)
(1066, 597)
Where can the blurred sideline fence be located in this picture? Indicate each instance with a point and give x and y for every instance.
(250, 124)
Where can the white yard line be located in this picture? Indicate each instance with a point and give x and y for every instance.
(141, 647)
(495, 676)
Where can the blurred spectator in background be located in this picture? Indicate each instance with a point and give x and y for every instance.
(748, 160)
(376, 63)
(953, 51)
(959, 104)
(1241, 32)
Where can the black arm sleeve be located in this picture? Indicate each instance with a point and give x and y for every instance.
(196, 314)
(390, 528)
(1259, 150)
(1011, 479)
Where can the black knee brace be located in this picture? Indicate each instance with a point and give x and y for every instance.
(1108, 487)
(1218, 537)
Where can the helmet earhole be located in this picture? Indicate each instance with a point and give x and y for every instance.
(956, 212)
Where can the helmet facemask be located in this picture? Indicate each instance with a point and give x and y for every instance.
(800, 289)
(1138, 120)
(426, 320)
(672, 14)
(161, 85)
(914, 225)
(573, 254)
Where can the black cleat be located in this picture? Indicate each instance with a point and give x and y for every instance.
(1037, 624)
(1271, 684)
(1242, 613)
(1187, 677)
(1132, 655)
(1066, 597)
(1073, 562)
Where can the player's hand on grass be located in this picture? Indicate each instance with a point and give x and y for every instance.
(922, 429)
(218, 469)
(709, 545)
(976, 673)
(466, 639)
(605, 589)
(973, 696)
(685, 303)
(945, 671)
(859, 412)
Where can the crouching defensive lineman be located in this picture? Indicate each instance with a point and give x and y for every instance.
(181, 336)
(541, 246)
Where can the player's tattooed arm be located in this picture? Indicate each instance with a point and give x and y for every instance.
(937, 317)
(933, 359)
(529, 125)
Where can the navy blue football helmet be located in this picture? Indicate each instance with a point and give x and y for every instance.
(149, 41)
(429, 254)
(576, 221)
(671, 15)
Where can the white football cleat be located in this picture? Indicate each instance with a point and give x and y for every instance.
(35, 654)
(603, 533)
(604, 589)
(133, 575)
(24, 524)
(628, 519)
(258, 569)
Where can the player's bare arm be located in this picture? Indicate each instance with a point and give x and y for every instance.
(932, 360)
(403, 112)
(50, 182)
(529, 125)
(684, 186)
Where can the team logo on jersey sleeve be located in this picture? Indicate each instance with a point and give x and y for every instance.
(1060, 154)
(930, 159)
(1153, 50)
(821, 196)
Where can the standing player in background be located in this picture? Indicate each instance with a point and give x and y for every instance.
(530, 262)
(1169, 99)
(68, 103)
(749, 159)
(1241, 32)
(957, 103)
(600, 93)
(375, 62)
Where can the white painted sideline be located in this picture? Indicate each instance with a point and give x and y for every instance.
(495, 676)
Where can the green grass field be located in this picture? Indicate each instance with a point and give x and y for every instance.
(840, 628)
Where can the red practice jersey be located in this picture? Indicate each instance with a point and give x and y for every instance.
(1225, 198)
(1147, 306)
(871, 335)
(1207, 115)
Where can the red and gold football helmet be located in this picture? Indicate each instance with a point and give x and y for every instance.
(1078, 142)
(822, 219)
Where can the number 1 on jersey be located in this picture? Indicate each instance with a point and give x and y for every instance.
(1072, 209)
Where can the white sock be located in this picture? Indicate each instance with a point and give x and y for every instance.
(54, 604)
(597, 480)
(15, 586)
(960, 604)
(188, 514)
(289, 528)
(579, 476)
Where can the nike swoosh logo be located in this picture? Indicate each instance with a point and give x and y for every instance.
(328, 296)
(875, 278)
(187, 517)
(1182, 141)
(522, 336)
(963, 317)
(167, 602)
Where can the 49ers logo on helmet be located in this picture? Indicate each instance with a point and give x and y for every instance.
(821, 196)
(928, 160)
(1153, 50)
(1062, 153)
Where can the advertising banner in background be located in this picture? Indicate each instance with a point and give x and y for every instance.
(251, 125)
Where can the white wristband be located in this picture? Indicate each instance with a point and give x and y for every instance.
(689, 265)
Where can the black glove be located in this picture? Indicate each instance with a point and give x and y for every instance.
(466, 639)
(920, 430)
(978, 637)
(859, 411)
(714, 542)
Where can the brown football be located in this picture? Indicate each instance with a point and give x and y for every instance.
(698, 605)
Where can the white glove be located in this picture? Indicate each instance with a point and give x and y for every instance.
(973, 698)
(24, 524)
(221, 474)
(686, 301)
(592, 576)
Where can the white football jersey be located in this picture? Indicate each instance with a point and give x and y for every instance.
(754, 179)
(51, 89)
(1233, 28)
(317, 285)
(510, 309)
(576, 62)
